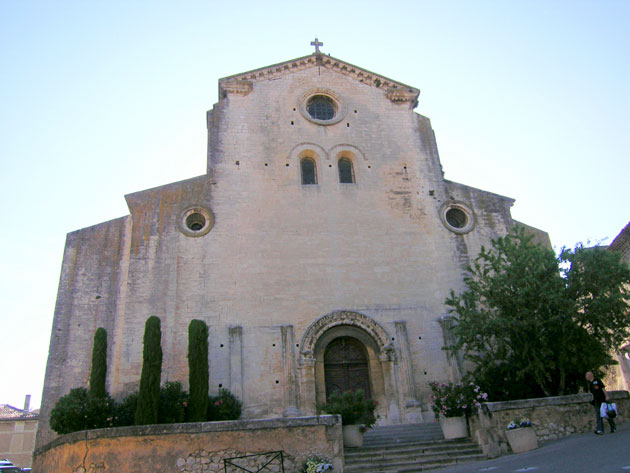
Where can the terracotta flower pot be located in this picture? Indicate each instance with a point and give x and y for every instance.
(522, 440)
(454, 427)
(352, 435)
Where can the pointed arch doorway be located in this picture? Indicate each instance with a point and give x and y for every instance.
(346, 366)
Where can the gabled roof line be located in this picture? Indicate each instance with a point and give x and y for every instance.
(328, 62)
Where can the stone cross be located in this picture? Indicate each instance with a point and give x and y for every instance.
(317, 44)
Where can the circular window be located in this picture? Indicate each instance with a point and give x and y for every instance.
(321, 107)
(457, 217)
(196, 221)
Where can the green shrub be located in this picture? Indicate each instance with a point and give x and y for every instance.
(79, 410)
(125, 411)
(98, 373)
(198, 370)
(173, 402)
(225, 406)
(353, 408)
(149, 394)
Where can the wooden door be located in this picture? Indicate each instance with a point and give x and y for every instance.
(346, 366)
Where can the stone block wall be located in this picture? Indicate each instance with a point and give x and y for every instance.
(552, 418)
(195, 447)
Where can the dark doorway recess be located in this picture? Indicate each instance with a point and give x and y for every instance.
(346, 366)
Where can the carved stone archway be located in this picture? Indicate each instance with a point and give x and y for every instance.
(380, 353)
(344, 317)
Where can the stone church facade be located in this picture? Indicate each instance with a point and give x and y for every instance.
(319, 248)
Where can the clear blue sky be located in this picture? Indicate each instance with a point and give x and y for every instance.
(528, 99)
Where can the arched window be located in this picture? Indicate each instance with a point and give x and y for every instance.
(309, 174)
(346, 175)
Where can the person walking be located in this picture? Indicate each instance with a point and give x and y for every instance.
(600, 396)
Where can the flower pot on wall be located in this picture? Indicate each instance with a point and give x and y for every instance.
(522, 440)
(454, 427)
(352, 435)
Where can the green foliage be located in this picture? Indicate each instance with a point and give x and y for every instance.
(173, 402)
(125, 411)
(198, 370)
(98, 372)
(353, 408)
(225, 406)
(149, 394)
(455, 400)
(80, 410)
(533, 323)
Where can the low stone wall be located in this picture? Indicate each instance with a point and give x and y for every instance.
(552, 418)
(195, 447)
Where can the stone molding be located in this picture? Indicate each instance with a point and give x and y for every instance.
(343, 317)
(397, 92)
(239, 87)
(400, 95)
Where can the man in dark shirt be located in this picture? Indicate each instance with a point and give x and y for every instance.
(596, 387)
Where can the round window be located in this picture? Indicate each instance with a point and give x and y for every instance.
(321, 107)
(196, 221)
(457, 217)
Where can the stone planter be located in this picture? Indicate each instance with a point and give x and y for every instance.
(454, 427)
(352, 435)
(522, 440)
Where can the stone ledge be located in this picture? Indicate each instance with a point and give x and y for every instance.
(191, 428)
(549, 401)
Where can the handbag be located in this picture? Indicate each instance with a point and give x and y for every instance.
(611, 410)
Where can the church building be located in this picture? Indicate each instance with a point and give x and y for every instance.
(318, 247)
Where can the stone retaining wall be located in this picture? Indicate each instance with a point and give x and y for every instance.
(552, 418)
(195, 447)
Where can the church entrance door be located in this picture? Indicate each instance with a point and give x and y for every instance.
(346, 366)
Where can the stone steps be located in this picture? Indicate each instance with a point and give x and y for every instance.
(408, 449)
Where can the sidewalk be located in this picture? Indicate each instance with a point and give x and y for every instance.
(583, 453)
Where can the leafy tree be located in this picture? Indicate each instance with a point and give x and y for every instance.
(533, 323)
(98, 372)
(198, 370)
(149, 394)
(80, 410)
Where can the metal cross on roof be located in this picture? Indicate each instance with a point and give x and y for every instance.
(317, 44)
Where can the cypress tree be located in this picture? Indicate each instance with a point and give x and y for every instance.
(149, 393)
(98, 372)
(198, 370)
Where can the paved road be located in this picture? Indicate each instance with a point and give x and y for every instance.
(584, 453)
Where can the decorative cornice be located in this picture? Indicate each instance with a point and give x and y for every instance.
(397, 92)
(240, 87)
(398, 95)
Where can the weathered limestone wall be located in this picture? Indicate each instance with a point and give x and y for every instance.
(552, 418)
(91, 286)
(282, 255)
(194, 448)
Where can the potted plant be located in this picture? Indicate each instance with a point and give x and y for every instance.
(451, 403)
(316, 464)
(521, 436)
(357, 414)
